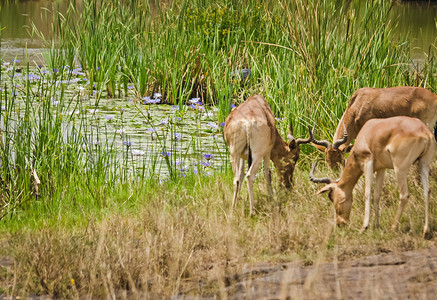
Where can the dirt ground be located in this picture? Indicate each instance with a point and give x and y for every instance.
(403, 275)
(407, 275)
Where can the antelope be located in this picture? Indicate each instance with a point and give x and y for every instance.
(392, 143)
(371, 103)
(251, 135)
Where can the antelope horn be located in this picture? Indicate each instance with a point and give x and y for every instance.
(306, 141)
(339, 142)
(318, 180)
(323, 143)
(290, 132)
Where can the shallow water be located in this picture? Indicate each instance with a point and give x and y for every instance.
(184, 138)
(416, 21)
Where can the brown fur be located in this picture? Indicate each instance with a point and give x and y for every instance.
(392, 143)
(251, 127)
(371, 103)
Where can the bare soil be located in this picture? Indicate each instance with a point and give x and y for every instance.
(403, 275)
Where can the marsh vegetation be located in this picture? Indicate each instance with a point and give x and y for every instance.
(123, 121)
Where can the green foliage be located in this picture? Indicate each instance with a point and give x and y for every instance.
(306, 58)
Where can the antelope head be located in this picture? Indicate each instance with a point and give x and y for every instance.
(334, 155)
(288, 158)
(341, 198)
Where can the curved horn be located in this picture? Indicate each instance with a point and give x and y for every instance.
(323, 143)
(306, 141)
(339, 142)
(318, 180)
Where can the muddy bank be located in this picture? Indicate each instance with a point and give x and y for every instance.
(404, 275)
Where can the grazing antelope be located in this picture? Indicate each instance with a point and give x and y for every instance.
(373, 103)
(251, 134)
(392, 143)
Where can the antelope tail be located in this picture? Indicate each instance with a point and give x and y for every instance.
(249, 159)
(249, 156)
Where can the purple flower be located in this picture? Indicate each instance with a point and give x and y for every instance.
(177, 119)
(109, 117)
(148, 100)
(177, 136)
(222, 124)
(213, 125)
(207, 156)
(31, 77)
(165, 154)
(233, 105)
(127, 143)
(136, 152)
(130, 87)
(206, 164)
(195, 101)
(150, 129)
(157, 95)
(78, 72)
(121, 110)
(163, 122)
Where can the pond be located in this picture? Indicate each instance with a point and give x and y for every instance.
(416, 20)
(141, 132)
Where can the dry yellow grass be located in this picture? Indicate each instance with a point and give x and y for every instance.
(183, 241)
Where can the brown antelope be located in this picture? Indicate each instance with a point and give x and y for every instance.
(373, 103)
(392, 143)
(251, 134)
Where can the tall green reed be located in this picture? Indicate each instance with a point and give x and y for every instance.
(306, 57)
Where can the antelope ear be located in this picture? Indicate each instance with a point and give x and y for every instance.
(348, 149)
(292, 144)
(325, 189)
(319, 147)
